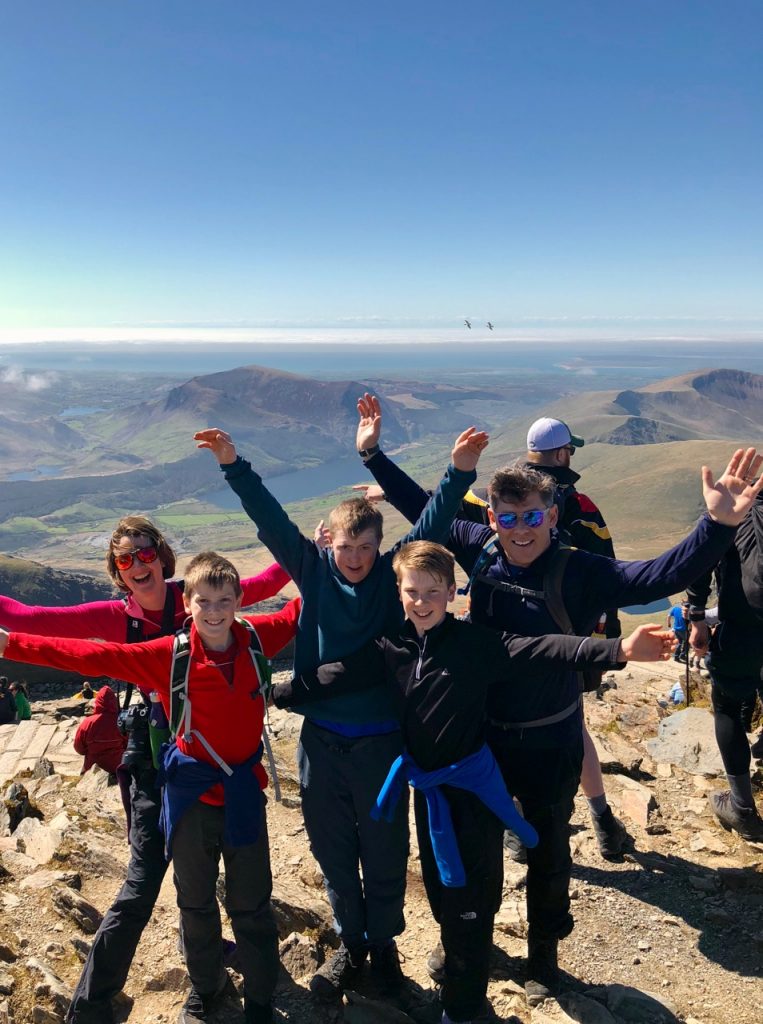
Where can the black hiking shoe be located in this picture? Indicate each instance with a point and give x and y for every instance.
(257, 1013)
(436, 964)
(542, 979)
(611, 835)
(215, 1008)
(514, 847)
(744, 820)
(385, 966)
(338, 972)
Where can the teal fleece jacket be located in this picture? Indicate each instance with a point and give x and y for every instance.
(338, 617)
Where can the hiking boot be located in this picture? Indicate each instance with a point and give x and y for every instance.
(744, 820)
(339, 971)
(215, 1008)
(611, 834)
(257, 1013)
(436, 964)
(385, 965)
(514, 847)
(542, 979)
(756, 748)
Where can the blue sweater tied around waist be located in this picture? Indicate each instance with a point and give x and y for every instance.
(184, 780)
(479, 774)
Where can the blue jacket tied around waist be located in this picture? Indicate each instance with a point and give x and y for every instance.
(479, 774)
(185, 780)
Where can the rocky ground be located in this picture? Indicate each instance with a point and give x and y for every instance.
(674, 932)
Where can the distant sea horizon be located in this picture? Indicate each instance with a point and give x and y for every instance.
(594, 365)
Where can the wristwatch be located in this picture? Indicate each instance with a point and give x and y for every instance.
(367, 453)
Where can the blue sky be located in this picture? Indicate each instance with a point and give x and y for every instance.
(547, 165)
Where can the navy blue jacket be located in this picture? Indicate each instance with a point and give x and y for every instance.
(591, 584)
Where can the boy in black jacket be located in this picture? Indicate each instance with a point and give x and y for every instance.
(441, 670)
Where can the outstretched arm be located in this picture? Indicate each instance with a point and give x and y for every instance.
(104, 619)
(362, 670)
(274, 528)
(402, 493)
(145, 664)
(434, 522)
(522, 653)
(266, 584)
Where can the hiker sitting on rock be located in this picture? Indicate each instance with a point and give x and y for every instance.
(97, 737)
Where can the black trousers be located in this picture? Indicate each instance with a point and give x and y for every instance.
(545, 781)
(197, 846)
(364, 862)
(108, 962)
(733, 698)
(465, 914)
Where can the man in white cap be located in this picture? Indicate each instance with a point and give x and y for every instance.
(550, 446)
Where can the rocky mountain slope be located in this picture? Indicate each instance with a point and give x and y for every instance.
(673, 933)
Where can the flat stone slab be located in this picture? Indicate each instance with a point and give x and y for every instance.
(687, 739)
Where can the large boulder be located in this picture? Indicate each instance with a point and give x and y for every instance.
(687, 739)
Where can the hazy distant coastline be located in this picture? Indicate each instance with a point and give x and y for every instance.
(603, 364)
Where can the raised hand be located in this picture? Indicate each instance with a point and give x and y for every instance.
(219, 443)
(322, 537)
(468, 448)
(729, 499)
(649, 642)
(369, 425)
(371, 492)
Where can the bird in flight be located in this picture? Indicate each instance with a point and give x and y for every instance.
(490, 325)
(468, 324)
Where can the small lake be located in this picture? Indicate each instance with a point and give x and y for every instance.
(35, 474)
(302, 483)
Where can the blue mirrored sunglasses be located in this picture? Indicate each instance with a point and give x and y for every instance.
(533, 517)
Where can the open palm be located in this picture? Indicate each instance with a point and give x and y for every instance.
(729, 498)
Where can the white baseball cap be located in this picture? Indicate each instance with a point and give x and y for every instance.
(546, 434)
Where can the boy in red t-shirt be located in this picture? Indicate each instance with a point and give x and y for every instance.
(213, 778)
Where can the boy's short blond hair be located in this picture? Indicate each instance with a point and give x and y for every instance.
(356, 515)
(516, 482)
(426, 556)
(212, 569)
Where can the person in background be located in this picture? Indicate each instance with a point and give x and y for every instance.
(678, 621)
(23, 707)
(735, 663)
(7, 703)
(98, 738)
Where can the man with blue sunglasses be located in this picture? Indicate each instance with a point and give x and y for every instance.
(536, 732)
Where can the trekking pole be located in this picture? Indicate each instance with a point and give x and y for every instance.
(688, 675)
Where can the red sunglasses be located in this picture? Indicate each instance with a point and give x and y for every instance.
(124, 559)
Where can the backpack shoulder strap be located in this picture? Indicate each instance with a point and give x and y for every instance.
(262, 664)
(482, 563)
(179, 672)
(552, 588)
